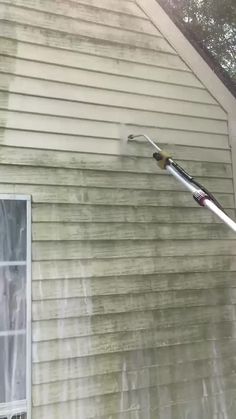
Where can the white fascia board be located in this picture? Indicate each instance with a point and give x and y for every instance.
(189, 54)
(199, 67)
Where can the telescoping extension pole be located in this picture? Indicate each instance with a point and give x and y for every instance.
(201, 195)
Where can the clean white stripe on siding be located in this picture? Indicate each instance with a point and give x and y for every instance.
(107, 146)
(94, 128)
(94, 145)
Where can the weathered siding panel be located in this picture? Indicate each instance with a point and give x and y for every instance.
(133, 285)
(107, 65)
(90, 13)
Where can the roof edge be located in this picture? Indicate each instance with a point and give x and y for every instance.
(189, 54)
(202, 50)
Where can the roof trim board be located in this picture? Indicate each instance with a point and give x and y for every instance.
(197, 64)
(189, 54)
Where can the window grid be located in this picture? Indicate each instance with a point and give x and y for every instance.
(21, 409)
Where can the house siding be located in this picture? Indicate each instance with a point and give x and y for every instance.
(133, 284)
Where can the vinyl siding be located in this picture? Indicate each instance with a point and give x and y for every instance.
(133, 284)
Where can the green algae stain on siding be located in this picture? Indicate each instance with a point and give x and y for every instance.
(7, 47)
(121, 329)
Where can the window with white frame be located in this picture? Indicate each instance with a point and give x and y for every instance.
(15, 298)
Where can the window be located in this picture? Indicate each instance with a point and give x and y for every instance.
(15, 307)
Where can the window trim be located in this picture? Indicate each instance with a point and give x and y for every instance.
(25, 404)
(16, 407)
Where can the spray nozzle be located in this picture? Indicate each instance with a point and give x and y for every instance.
(131, 137)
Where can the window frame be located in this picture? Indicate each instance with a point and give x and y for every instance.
(24, 405)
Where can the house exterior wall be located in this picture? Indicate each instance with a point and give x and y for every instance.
(133, 284)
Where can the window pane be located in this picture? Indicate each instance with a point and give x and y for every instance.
(12, 368)
(12, 230)
(12, 298)
(13, 216)
(19, 416)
